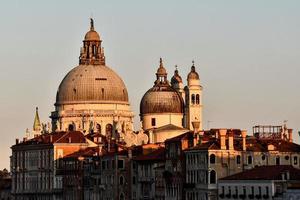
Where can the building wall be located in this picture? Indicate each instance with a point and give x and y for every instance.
(292, 194)
(199, 166)
(255, 189)
(161, 120)
(83, 114)
(32, 172)
(115, 179)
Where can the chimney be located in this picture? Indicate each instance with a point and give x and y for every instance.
(196, 125)
(129, 153)
(151, 139)
(222, 133)
(17, 141)
(70, 140)
(244, 135)
(230, 140)
(290, 132)
(24, 139)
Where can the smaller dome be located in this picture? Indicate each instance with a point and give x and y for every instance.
(161, 71)
(193, 74)
(92, 36)
(161, 100)
(176, 78)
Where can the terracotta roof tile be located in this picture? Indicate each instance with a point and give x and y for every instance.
(88, 152)
(273, 172)
(180, 137)
(169, 127)
(157, 155)
(72, 137)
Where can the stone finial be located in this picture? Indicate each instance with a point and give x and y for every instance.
(92, 24)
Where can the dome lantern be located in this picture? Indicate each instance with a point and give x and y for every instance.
(92, 53)
(161, 74)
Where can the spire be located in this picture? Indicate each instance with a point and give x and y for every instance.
(193, 66)
(161, 62)
(92, 24)
(37, 123)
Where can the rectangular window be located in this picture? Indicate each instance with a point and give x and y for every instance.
(113, 164)
(153, 122)
(103, 164)
(120, 164)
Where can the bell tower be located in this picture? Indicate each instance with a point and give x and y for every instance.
(193, 100)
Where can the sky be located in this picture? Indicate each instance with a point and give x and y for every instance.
(246, 53)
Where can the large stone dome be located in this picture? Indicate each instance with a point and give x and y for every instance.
(91, 84)
(162, 99)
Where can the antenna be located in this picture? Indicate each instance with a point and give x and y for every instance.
(208, 122)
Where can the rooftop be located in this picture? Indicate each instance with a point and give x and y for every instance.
(266, 173)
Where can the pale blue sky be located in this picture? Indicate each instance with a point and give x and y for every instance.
(246, 52)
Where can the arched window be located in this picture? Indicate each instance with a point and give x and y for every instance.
(277, 160)
(295, 160)
(122, 197)
(197, 99)
(212, 159)
(94, 49)
(212, 177)
(98, 128)
(193, 99)
(71, 127)
(108, 130)
(238, 159)
(249, 160)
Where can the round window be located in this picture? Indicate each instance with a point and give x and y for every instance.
(287, 157)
